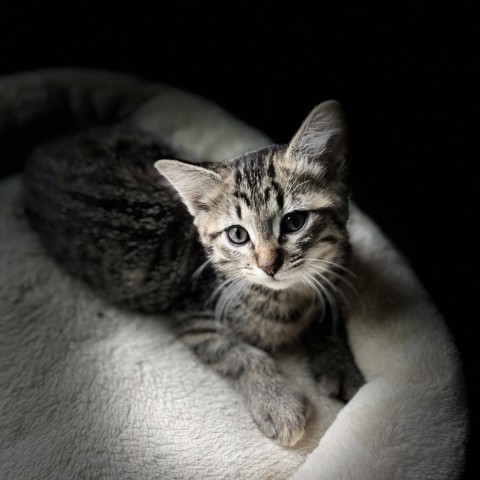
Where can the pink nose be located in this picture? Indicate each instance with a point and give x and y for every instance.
(271, 264)
(271, 270)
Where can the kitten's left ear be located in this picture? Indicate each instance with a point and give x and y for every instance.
(192, 182)
(321, 141)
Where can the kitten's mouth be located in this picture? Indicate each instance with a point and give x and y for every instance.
(274, 282)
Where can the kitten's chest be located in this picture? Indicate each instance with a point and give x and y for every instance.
(272, 320)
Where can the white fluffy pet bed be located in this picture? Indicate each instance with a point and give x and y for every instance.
(88, 391)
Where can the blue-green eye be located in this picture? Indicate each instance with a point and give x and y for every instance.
(294, 221)
(237, 235)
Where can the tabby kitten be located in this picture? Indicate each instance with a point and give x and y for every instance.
(272, 223)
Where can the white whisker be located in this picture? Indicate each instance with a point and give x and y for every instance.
(196, 274)
(220, 287)
(330, 299)
(333, 287)
(341, 267)
(309, 282)
(339, 277)
(342, 279)
(229, 294)
(236, 293)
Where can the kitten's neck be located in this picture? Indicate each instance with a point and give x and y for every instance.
(275, 317)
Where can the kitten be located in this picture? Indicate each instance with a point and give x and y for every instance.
(272, 223)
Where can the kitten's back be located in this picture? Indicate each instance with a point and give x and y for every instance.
(104, 212)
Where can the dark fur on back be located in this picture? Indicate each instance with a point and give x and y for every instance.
(103, 212)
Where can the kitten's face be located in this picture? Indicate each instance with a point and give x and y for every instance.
(277, 216)
(269, 220)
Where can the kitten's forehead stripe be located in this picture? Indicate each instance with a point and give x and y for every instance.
(243, 196)
(255, 178)
(238, 210)
(279, 191)
(271, 167)
(254, 168)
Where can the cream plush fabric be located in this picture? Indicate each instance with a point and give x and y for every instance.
(89, 391)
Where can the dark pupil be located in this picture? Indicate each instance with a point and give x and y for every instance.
(237, 234)
(294, 221)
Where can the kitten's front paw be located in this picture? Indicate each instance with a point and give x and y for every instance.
(334, 369)
(281, 415)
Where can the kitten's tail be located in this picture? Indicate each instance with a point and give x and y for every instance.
(38, 105)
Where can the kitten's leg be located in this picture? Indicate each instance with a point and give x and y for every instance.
(334, 367)
(280, 413)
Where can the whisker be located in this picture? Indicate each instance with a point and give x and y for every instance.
(341, 267)
(334, 288)
(201, 268)
(307, 279)
(309, 284)
(229, 293)
(341, 278)
(235, 294)
(358, 298)
(224, 284)
(196, 274)
(224, 302)
(224, 294)
(330, 299)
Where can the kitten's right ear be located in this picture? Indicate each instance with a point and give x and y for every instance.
(192, 182)
(321, 141)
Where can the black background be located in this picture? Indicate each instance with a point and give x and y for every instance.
(408, 79)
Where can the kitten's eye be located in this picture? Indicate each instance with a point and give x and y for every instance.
(238, 235)
(294, 221)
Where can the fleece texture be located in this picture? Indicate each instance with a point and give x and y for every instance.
(90, 391)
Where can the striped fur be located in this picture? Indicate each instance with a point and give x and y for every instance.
(105, 213)
(278, 282)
